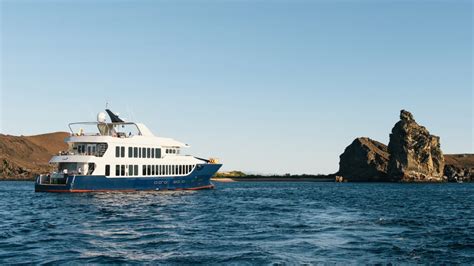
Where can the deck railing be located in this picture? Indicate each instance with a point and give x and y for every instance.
(53, 179)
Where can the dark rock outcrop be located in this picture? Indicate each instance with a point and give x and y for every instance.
(459, 167)
(364, 160)
(415, 155)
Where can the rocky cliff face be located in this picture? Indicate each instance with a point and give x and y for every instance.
(25, 157)
(415, 155)
(364, 160)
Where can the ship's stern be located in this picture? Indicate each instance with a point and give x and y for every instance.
(54, 183)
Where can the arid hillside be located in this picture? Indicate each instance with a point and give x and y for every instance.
(460, 160)
(24, 157)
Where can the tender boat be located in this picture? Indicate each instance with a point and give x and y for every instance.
(124, 156)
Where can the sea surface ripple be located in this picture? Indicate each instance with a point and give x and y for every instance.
(241, 223)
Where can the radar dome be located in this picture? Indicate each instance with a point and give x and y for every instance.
(101, 117)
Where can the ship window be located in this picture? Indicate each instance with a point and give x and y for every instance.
(139, 153)
(157, 153)
(135, 168)
(148, 153)
(148, 172)
(143, 153)
(143, 170)
(122, 151)
(107, 170)
(167, 170)
(135, 152)
(130, 170)
(117, 170)
(153, 169)
(117, 151)
(152, 153)
(122, 170)
(130, 153)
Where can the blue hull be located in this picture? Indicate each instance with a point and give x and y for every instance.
(198, 179)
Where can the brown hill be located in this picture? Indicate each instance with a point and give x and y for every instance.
(459, 167)
(460, 160)
(24, 157)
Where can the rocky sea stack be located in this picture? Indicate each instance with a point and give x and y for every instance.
(412, 155)
(364, 160)
(415, 155)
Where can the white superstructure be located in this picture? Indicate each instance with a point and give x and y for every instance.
(120, 149)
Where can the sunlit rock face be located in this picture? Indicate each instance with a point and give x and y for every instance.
(415, 155)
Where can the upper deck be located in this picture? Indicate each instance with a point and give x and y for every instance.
(113, 129)
(118, 132)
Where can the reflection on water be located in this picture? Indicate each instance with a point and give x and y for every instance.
(241, 222)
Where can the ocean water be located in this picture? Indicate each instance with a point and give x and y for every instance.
(242, 223)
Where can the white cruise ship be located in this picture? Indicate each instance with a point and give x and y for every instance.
(124, 156)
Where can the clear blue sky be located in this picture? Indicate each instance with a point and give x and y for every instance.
(266, 86)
